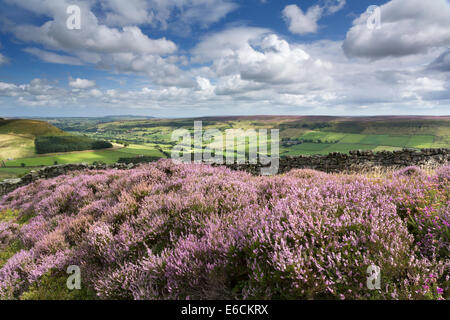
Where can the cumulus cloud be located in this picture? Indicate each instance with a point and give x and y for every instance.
(81, 83)
(300, 22)
(407, 27)
(8, 89)
(124, 49)
(92, 37)
(252, 56)
(39, 92)
(166, 13)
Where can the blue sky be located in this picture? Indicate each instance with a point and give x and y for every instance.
(183, 58)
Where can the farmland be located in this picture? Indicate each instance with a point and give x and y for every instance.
(105, 156)
(298, 136)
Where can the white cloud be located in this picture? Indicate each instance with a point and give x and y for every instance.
(422, 86)
(300, 22)
(95, 93)
(407, 27)
(8, 89)
(166, 14)
(52, 57)
(249, 57)
(92, 37)
(333, 6)
(81, 83)
(126, 49)
(3, 59)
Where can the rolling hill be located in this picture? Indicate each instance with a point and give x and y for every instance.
(28, 127)
(17, 136)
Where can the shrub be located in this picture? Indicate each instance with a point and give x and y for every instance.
(166, 231)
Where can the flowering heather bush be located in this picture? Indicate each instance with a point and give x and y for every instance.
(166, 231)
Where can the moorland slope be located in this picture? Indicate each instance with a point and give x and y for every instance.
(166, 231)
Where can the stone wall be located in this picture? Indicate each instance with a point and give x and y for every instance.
(334, 162)
(357, 161)
(8, 185)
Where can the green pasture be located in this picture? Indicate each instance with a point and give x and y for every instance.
(106, 156)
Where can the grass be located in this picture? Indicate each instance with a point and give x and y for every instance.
(145, 150)
(324, 136)
(13, 168)
(353, 138)
(9, 251)
(421, 142)
(16, 146)
(9, 173)
(306, 149)
(53, 286)
(30, 127)
(107, 156)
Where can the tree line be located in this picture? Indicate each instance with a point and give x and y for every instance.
(52, 144)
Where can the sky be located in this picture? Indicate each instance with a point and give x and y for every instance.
(191, 58)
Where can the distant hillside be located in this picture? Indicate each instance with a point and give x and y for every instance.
(33, 128)
(300, 135)
(21, 138)
(17, 136)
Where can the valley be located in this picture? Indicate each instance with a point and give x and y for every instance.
(134, 137)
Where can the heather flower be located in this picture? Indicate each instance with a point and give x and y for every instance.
(167, 231)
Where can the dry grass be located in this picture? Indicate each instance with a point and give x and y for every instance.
(16, 146)
(379, 172)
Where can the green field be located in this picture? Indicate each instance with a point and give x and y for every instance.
(106, 156)
(9, 173)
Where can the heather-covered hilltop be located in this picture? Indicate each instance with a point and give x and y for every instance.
(166, 231)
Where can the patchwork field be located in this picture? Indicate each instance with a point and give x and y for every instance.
(106, 156)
